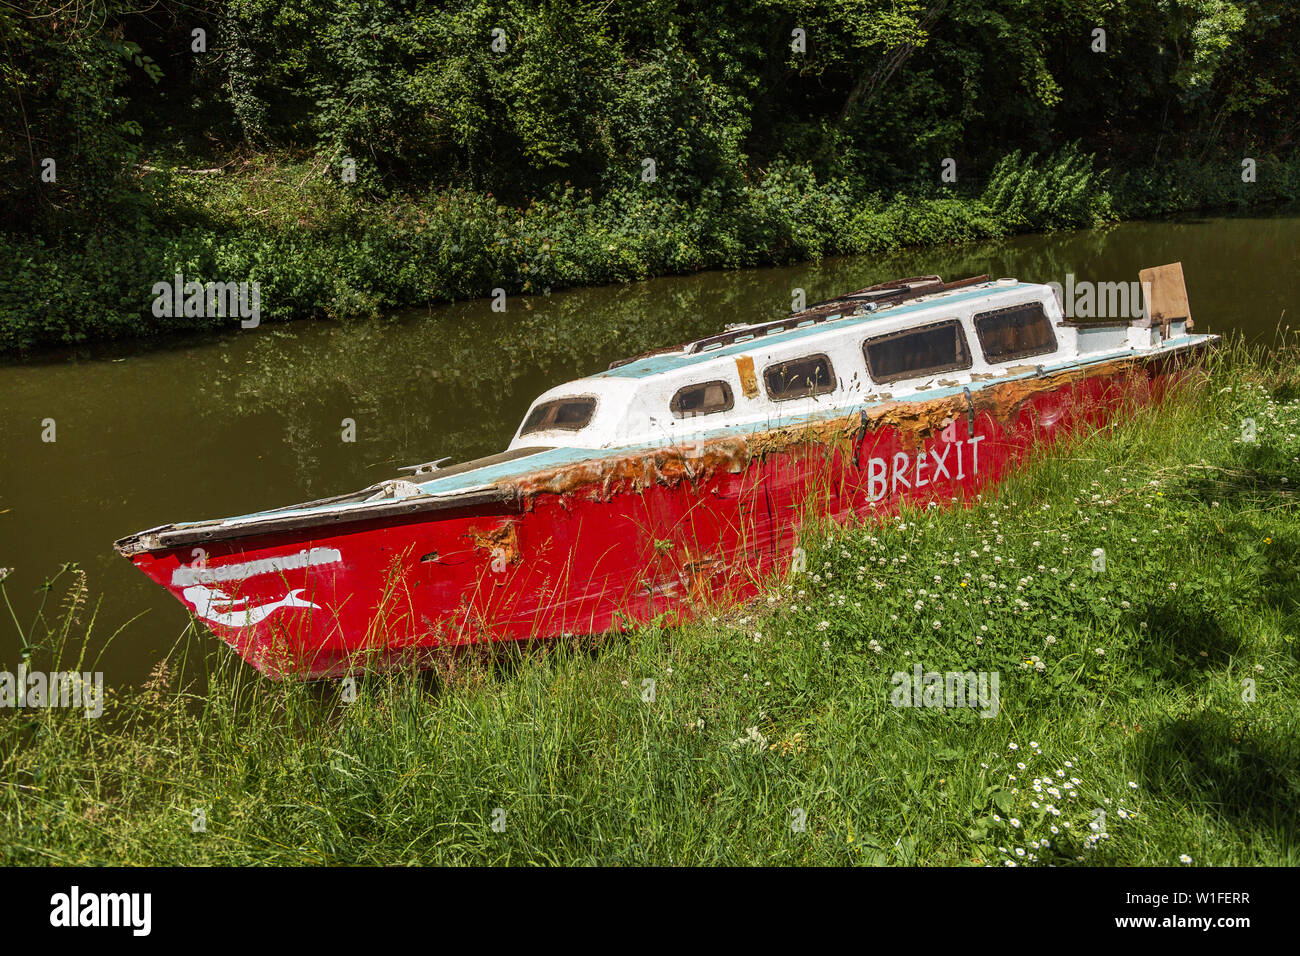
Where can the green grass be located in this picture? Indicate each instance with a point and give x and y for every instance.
(783, 705)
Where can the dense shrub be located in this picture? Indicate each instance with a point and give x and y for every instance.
(364, 259)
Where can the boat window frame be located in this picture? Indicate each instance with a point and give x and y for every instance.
(1022, 353)
(595, 404)
(674, 404)
(958, 366)
(831, 386)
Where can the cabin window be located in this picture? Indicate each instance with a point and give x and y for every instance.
(799, 378)
(940, 347)
(568, 414)
(1017, 331)
(703, 399)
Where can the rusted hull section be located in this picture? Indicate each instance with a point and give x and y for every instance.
(608, 543)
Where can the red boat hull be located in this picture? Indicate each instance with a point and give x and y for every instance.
(608, 543)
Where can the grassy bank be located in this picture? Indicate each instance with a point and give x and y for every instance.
(1161, 691)
(319, 248)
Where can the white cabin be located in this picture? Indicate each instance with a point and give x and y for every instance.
(830, 362)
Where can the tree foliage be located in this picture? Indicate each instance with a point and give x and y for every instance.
(516, 96)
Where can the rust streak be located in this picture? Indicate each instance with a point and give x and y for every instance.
(748, 380)
(914, 421)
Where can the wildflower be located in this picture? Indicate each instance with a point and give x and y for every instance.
(1184, 859)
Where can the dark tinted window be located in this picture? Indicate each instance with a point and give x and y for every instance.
(703, 399)
(799, 378)
(1015, 332)
(570, 414)
(933, 348)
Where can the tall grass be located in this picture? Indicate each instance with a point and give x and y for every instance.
(770, 736)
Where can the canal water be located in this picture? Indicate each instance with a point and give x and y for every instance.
(147, 434)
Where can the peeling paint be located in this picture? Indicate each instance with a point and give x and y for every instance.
(915, 422)
(501, 542)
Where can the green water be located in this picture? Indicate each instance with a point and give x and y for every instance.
(152, 433)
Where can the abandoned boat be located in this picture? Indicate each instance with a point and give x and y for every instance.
(675, 480)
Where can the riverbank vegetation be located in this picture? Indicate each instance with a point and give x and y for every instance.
(1146, 708)
(353, 158)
